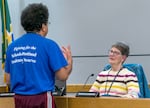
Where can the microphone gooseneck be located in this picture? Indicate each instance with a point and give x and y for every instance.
(85, 93)
(91, 75)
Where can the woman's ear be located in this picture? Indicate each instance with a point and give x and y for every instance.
(124, 58)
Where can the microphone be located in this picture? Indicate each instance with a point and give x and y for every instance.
(85, 93)
(91, 75)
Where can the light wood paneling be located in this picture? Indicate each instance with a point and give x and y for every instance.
(82, 102)
(78, 87)
(3, 88)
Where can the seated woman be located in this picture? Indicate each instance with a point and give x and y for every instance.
(117, 81)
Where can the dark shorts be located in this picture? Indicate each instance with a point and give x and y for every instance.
(44, 100)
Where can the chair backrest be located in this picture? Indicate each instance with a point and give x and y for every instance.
(138, 70)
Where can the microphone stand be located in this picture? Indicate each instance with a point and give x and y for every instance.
(85, 93)
(91, 75)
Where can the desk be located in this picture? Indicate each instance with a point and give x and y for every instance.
(102, 102)
(3, 88)
(71, 101)
(7, 102)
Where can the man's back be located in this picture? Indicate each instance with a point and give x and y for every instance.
(34, 62)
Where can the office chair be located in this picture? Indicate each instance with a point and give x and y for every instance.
(138, 70)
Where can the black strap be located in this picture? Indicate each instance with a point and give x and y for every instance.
(112, 81)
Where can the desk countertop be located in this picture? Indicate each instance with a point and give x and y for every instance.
(70, 101)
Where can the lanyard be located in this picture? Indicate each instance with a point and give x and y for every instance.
(112, 81)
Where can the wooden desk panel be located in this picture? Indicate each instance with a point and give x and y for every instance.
(7, 102)
(84, 102)
(61, 102)
(108, 103)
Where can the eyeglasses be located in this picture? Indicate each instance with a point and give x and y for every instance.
(49, 23)
(115, 53)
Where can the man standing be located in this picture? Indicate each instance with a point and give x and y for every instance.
(33, 61)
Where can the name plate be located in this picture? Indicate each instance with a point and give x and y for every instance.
(87, 94)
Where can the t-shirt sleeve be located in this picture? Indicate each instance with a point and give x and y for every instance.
(56, 57)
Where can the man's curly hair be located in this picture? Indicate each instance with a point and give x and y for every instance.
(33, 16)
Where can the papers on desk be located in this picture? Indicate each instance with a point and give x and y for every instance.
(7, 94)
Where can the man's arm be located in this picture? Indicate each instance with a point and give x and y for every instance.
(64, 72)
(7, 76)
